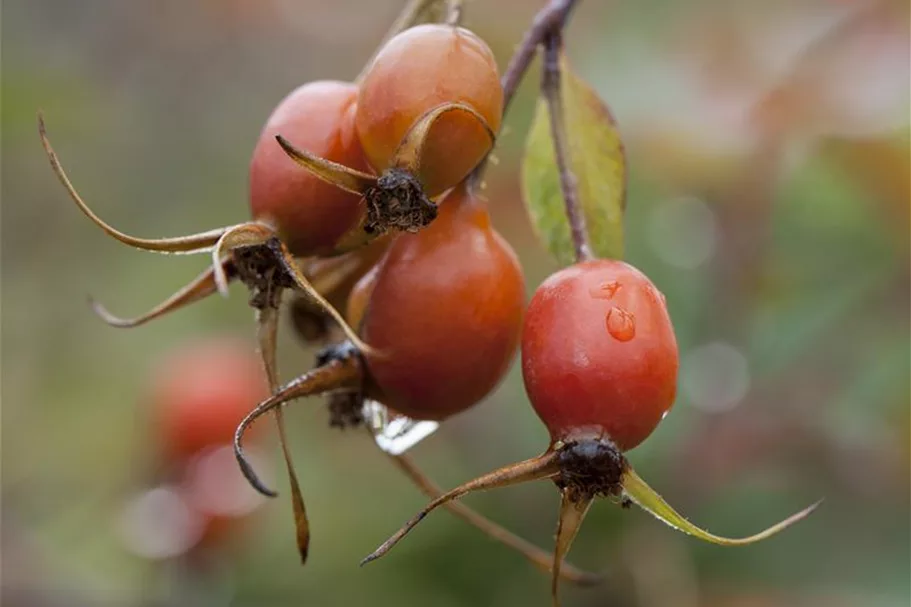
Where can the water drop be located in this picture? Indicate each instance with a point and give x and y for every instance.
(606, 290)
(621, 324)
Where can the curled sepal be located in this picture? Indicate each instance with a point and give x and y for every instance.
(199, 288)
(333, 173)
(591, 156)
(410, 151)
(193, 243)
(538, 557)
(243, 235)
(333, 376)
(574, 506)
(646, 498)
(543, 466)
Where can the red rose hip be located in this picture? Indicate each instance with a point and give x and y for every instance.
(309, 214)
(599, 354)
(443, 310)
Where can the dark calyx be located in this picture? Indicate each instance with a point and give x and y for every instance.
(398, 201)
(260, 267)
(346, 409)
(592, 467)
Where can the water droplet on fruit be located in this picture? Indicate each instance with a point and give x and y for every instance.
(606, 290)
(621, 324)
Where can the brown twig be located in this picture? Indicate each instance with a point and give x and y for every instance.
(546, 30)
(550, 19)
(550, 88)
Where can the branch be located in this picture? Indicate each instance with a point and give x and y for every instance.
(550, 19)
(550, 88)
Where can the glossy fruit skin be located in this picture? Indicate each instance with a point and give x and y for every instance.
(200, 393)
(599, 355)
(419, 69)
(444, 310)
(310, 215)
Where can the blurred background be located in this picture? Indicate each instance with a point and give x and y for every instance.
(769, 200)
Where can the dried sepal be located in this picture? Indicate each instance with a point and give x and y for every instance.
(336, 174)
(646, 498)
(193, 243)
(574, 506)
(408, 154)
(243, 235)
(543, 466)
(198, 289)
(267, 335)
(335, 375)
(541, 559)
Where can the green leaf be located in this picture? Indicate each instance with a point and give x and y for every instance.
(596, 158)
(645, 497)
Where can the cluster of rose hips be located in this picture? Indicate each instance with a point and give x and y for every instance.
(364, 198)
